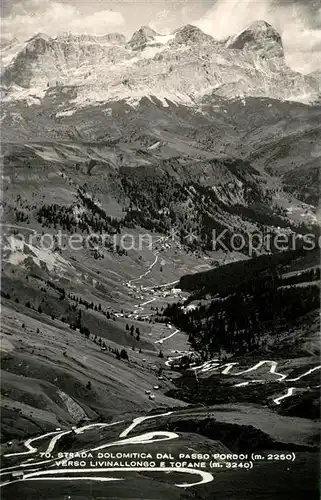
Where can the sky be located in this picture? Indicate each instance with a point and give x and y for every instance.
(298, 21)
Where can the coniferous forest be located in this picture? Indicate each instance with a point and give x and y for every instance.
(239, 307)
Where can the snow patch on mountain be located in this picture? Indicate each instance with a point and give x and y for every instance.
(163, 38)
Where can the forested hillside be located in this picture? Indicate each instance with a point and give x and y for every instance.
(246, 305)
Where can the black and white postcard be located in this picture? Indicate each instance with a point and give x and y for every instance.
(160, 249)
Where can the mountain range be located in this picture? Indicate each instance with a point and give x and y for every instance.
(225, 98)
(182, 67)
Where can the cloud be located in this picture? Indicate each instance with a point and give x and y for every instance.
(298, 24)
(175, 13)
(53, 18)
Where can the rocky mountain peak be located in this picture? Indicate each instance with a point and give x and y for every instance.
(148, 31)
(190, 34)
(259, 36)
(37, 45)
(141, 38)
(40, 36)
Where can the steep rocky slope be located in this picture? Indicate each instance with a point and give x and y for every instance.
(183, 66)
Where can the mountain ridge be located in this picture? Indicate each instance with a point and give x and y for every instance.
(186, 64)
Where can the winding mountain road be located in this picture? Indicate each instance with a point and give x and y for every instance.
(61, 473)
